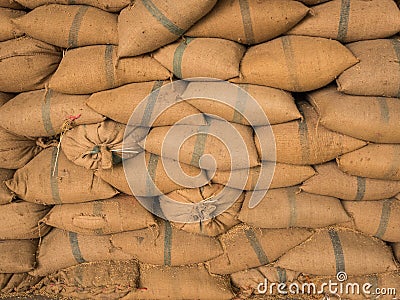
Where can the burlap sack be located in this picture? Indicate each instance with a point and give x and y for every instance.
(303, 142)
(107, 279)
(349, 21)
(18, 282)
(166, 245)
(202, 57)
(372, 119)
(107, 5)
(377, 72)
(184, 282)
(149, 177)
(115, 177)
(96, 146)
(7, 28)
(330, 251)
(129, 98)
(247, 281)
(17, 256)
(6, 195)
(276, 104)
(284, 175)
(202, 143)
(247, 247)
(378, 218)
(295, 63)
(47, 110)
(148, 25)
(70, 26)
(214, 213)
(379, 161)
(121, 213)
(62, 249)
(288, 208)
(90, 69)
(49, 179)
(331, 181)
(21, 220)
(16, 151)
(249, 22)
(26, 64)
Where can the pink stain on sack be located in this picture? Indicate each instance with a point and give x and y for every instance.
(73, 118)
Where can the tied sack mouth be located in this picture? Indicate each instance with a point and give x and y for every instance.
(104, 154)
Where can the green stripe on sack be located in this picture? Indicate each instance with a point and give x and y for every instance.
(200, 145)
(55, 192)
(255, 244)
(167, 243)
(167, 23)
(395, 165)
(71, 2)
(178, 56)
(384, 108)
(151, 102)
(97, 211)
(291, 194)
(374, 281)
(151, 178)
(338, 250)
(240, 105)
(344, 20)
(108, 58)
(281, 274)
(303, 137)
(76, 24)
(385, 216)
(361, 185)
(46, 113)
(396, 46)
(76, 251)
(247, 24)
(290, 62)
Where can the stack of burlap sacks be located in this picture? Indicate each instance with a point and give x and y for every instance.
(72, 73)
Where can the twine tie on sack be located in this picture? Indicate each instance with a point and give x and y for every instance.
(66, 126)
(109, 157)
(103, 153)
